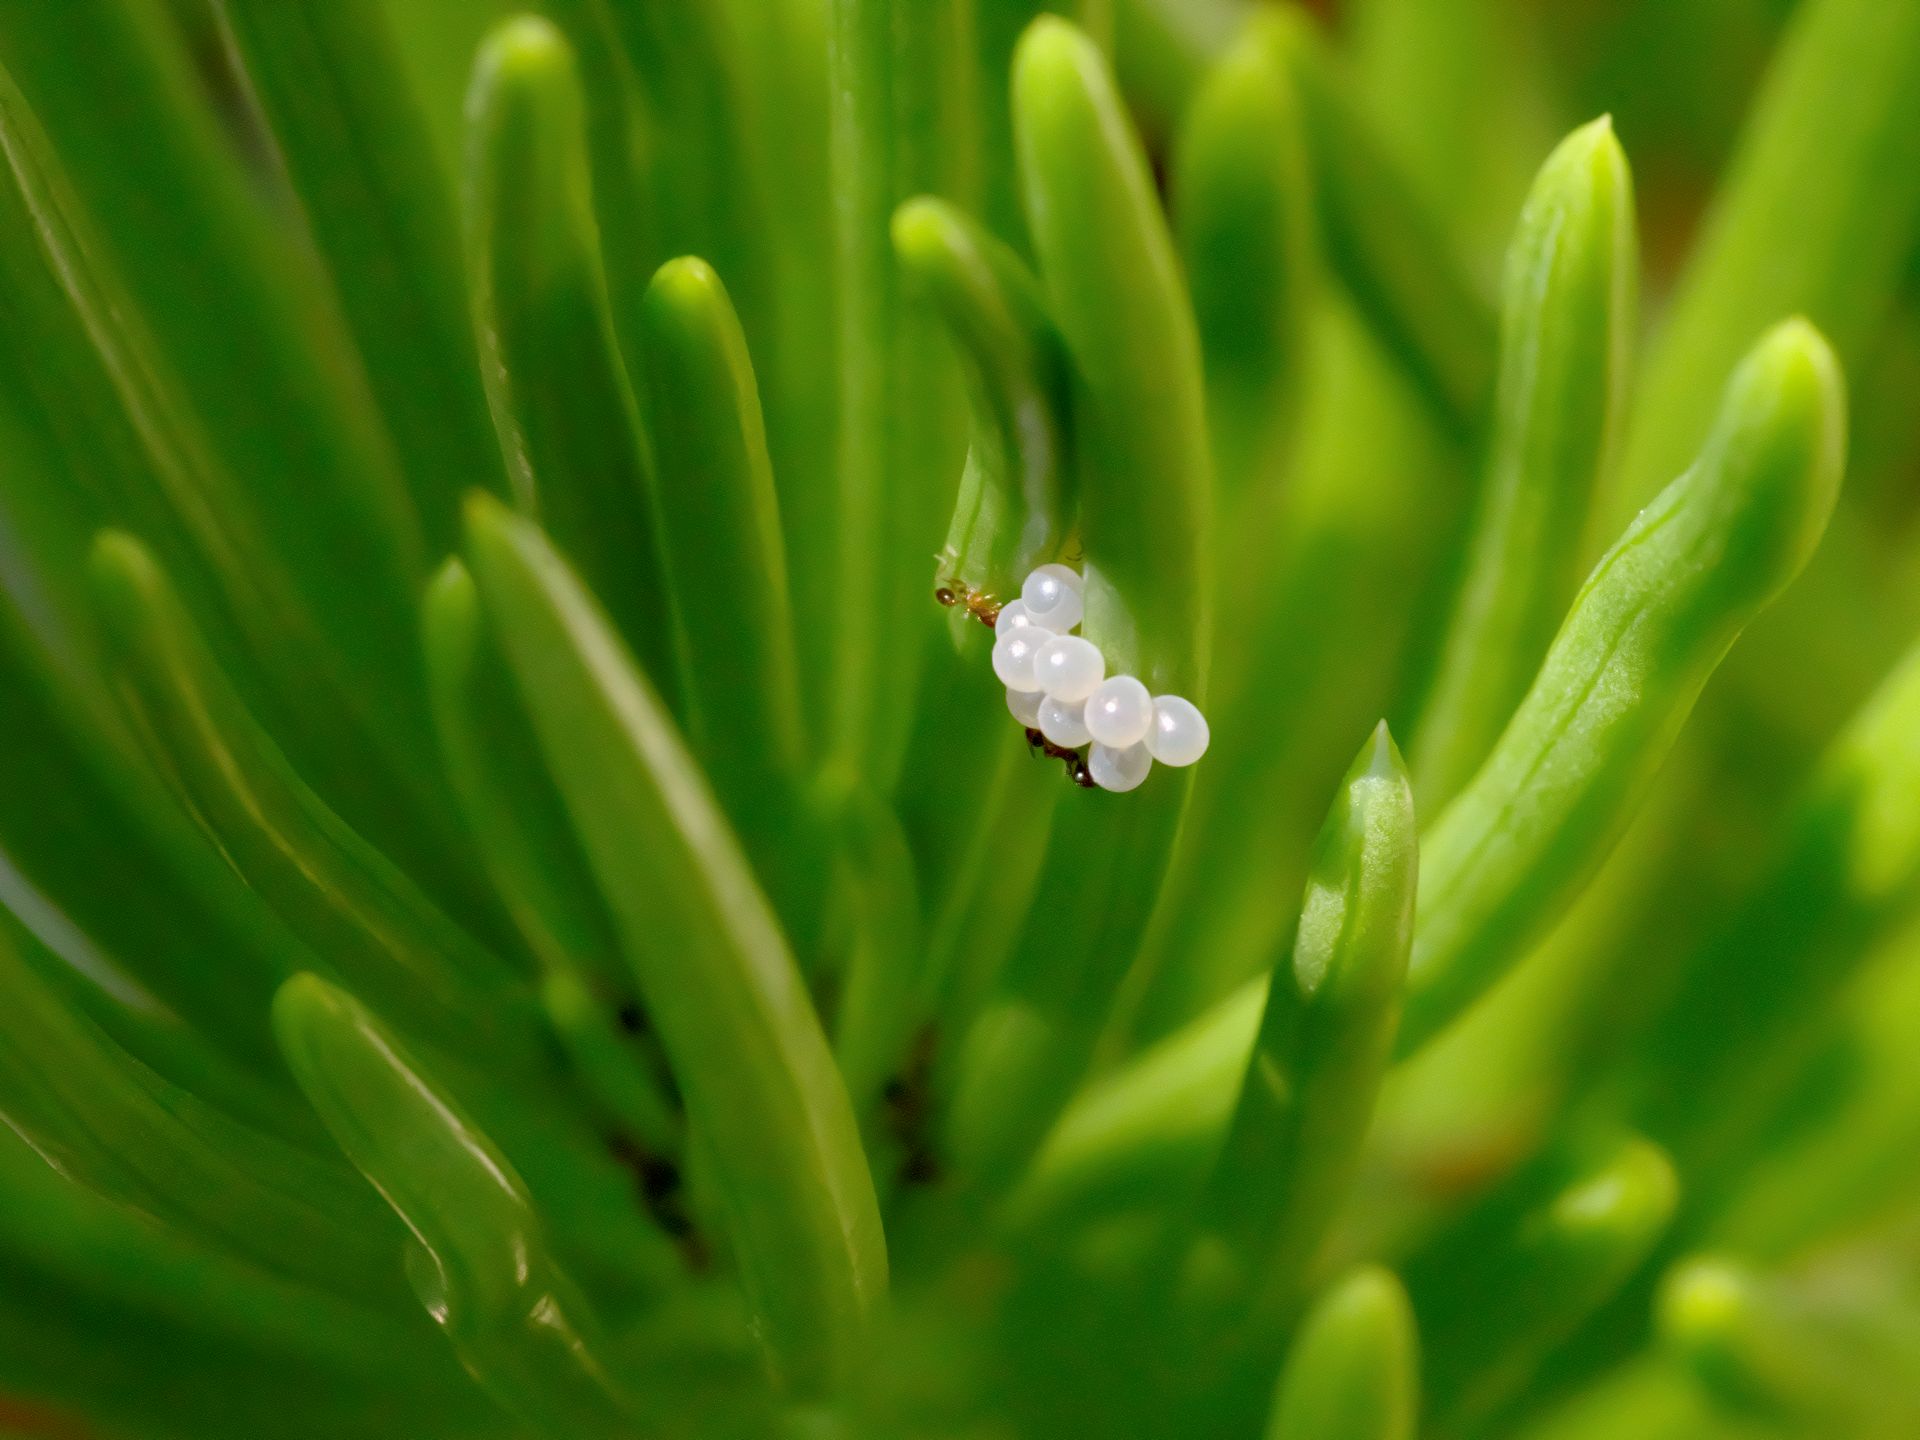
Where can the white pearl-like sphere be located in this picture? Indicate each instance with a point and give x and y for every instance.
(1024, 706)
(1016, 616)
(1120, 712)
(1179, 734)
(1063, 723)
(1013, 655)
(1052, 595)
(1067, 667)
(1119, 770)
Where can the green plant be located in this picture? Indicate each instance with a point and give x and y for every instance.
(520, 916)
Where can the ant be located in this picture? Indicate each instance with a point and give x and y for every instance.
(1075, 762)
(980, 605)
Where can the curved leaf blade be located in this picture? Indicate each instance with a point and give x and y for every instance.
(721, 987)
(1653, 621)
(1565, 342)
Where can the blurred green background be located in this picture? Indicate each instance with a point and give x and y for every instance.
(545, 991)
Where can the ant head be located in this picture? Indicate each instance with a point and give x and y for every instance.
(946, 595)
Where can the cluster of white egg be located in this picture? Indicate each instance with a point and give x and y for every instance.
(1057, 683)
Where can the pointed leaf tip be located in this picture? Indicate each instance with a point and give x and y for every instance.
(1353, 1371)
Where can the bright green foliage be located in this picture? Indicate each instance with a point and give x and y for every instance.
(477, 1261)
(1352, 1373)
(1015, 507)
(1332, 1007)
(520, 916)
(1649, 626)
(576, 455)
(706, 956)
(1564, 353)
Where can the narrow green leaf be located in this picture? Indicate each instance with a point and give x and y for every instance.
(1016, 499)
(1326, 1036)
(142, 456)
(1139, 413)
(719, 516)
(1388, 250)
(1310, 662)
(1243, 202)
(161, 203)
(104, 1311)
(725, 559)
(1653, 621)
(1027, 1048)
(972, 792)
(493, 763)
(1353, 1373)
(112, 995)
(886, 992)
(101, 1118)
(783, 56)
(1500, 1291)
(577, 456)
(621, 142)
(345, 126)
(336, 891)
(1566, 338)
(48, 512)
(115, 1252)
(742, 1036)
(703, 182)
(901, 84)
(479, 1262)
(119, 415)
(1752, 998)
(977, 907)
(1818, 215)
(1141, 445)
(90, 804)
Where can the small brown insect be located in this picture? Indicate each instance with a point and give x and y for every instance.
(1075, 762)
(1038, 741)
(980, 605)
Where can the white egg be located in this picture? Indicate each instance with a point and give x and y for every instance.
(1068, 667)
(1013, 655)
(1119, 712)
(1063, 723)
(1052, 595)
(1179, 735)
(1119, 770)
(1024, 705)
(1016, 616)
